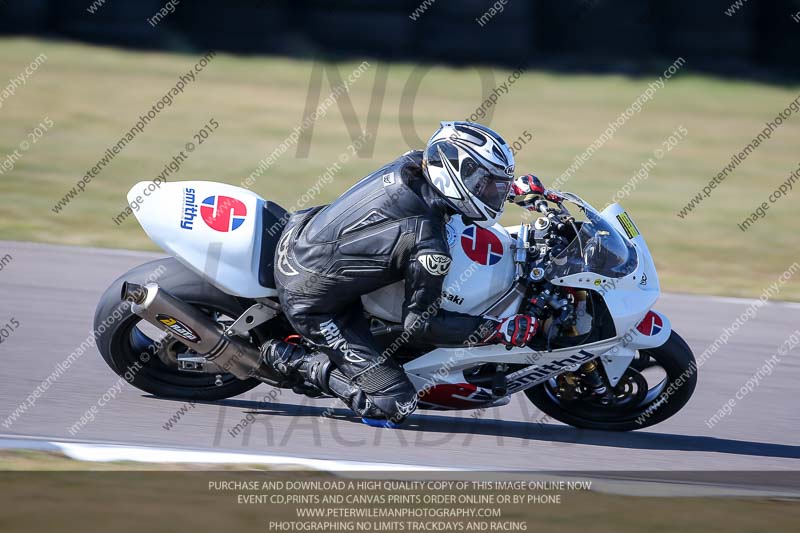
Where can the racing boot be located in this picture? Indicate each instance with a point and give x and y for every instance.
(287, 359)
(381, 395)
(292, 361)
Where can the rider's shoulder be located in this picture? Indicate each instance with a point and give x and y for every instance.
(410, 163)
(413, 157)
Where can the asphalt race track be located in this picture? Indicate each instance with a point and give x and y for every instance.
(51, 291)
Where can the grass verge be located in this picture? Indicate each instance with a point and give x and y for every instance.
(94, 95)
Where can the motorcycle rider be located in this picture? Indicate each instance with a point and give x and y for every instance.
(388, 227)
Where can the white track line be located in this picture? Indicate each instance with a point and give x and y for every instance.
(101, 452)
(107, 452)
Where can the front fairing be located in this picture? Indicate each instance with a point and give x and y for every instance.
(630, 296)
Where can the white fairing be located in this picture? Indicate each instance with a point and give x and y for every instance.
(481, 272)
(212, 228)
(629, 298)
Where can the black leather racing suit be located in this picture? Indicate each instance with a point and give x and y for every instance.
(388, 227)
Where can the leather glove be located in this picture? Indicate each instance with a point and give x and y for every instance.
(517, 330)
(527, 184)
(528, 189)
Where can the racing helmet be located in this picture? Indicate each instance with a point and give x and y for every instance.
(472, 168)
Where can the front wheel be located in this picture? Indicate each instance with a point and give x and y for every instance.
(131, 346)
(658, 383)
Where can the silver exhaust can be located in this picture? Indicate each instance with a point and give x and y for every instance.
(197, 330)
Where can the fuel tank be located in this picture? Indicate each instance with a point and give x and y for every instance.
(481, 272)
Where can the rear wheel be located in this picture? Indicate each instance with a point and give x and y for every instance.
(131, 346)
(658, 383)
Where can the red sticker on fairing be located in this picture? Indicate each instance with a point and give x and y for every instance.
(651, 324)
(481, 245)
(223, 213)
(453, 396)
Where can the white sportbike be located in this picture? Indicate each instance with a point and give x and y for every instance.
(190, 326)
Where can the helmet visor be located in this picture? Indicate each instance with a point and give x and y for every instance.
(491, 189)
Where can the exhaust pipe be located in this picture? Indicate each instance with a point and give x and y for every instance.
(197, 330)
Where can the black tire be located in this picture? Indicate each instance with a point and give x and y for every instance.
(124, 346)
(678, 364)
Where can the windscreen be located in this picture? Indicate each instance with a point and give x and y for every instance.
(599, 248)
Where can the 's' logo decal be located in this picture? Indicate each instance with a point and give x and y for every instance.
(650, 325)
(223, 213)
(481, 245)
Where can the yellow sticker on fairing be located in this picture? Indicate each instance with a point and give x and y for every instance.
(627, 224)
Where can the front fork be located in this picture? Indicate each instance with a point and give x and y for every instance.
(596, 382)
(652, 331)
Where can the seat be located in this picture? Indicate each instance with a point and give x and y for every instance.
(273, 220)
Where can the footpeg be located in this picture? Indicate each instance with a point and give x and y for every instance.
(499, 385)
(286, 358)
